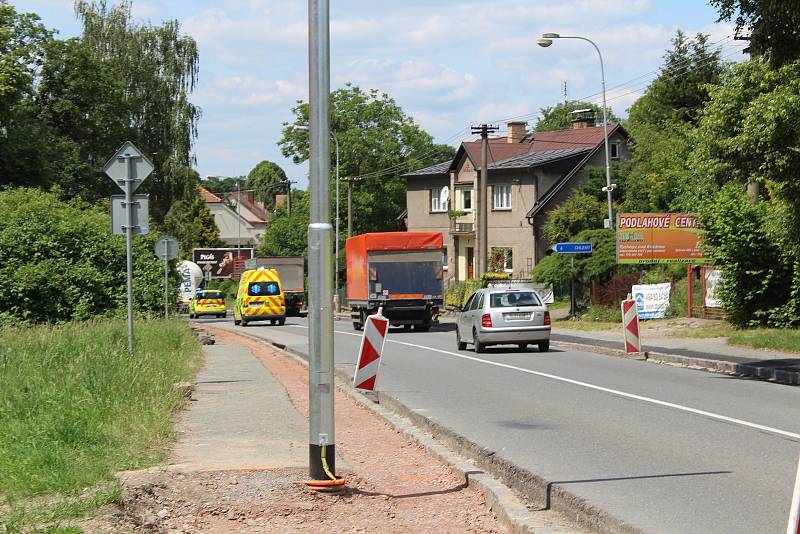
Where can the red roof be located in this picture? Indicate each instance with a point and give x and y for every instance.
(255, 208)
(500, 149)
(207, 195)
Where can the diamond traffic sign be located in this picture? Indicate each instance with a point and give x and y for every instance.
(129, 163)
(573, 248)
(166, 248)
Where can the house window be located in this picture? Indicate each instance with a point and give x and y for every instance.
(466, 199)
(501, 260)
(502, 197)
(614, 149)
(437, 206)
(444, 259)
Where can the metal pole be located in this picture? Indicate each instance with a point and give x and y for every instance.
(349, 207)
(238, 219)
(129, 245)
(320, 265)
(289, 198)
(336, 263)
(483, 245)
(166, 280)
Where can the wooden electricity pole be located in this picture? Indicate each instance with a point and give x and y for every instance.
(482, 200)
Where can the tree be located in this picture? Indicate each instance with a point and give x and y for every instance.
(222, 184)
(378, 142)
(772, 26)
(286, 234)
(578, 212)
(267, 179)
(60, 262)
(558, 117)
(599, 265)
(192, 224)
(158, 67)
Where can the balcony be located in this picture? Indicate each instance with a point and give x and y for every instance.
(461, 228)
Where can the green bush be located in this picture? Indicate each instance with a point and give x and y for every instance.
(470, 287)
(490, 276)
(454, 295)
(603, 314)
(60, 262)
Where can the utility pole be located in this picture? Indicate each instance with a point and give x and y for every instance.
(349, 207)
(322, 448)
(482, 190)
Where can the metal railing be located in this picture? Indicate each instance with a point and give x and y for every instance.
(462, 227)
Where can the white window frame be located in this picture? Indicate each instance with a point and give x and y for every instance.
(436, 206)
(463, 207)
(613, 149)
(507, 197)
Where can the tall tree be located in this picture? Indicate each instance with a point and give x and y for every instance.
(267, 179)
(559, 117)
(286, 234)
(773, 26)
(158, 67)
(378, 142)
(192, 224)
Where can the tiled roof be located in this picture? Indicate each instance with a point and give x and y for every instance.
(439, 168)
(255, 208)
(497, 151)
(578, 137)
(207, 195)
(533, 159)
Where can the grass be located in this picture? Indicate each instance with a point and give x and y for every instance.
(75, 408)
(787, 339)
(705, 332)
(586, 325)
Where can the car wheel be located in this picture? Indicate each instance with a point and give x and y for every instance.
(479, 347)
(244, 322)
(236, 322)
(281, 322)
(191, 316)
(544, 346)
(522, 346)
(461, 344)
(272, 322)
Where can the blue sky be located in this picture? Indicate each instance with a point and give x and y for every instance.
(447, 63)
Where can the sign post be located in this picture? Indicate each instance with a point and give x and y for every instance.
(128, 168)
(573, 248)
(167, 249)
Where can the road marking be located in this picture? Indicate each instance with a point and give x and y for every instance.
(650, 400)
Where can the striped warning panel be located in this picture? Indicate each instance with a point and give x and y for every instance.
(369, 355)
(630, 326)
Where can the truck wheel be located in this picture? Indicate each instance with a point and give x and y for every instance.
(479, 347)
(281, 321)
(422, 327)
(272, 322)
(357, 325)
(461, 344)
(407, 327)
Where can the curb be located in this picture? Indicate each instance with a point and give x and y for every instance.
(779, 376)
(499, 480)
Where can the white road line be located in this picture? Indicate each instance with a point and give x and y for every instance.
(688, 409)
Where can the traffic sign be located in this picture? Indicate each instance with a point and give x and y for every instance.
(140, 211)
(573, 248)
(128, 164)
(166, 248)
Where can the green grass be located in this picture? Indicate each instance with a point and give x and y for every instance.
(559, 304)
(582, 324)
(705, 332)
(75, 408)
(787, 339)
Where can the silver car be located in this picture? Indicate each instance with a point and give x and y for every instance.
(503, 316)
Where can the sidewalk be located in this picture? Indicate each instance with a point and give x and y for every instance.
(712, 354)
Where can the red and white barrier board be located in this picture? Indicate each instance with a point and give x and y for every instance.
(794, 513)
(369, 355)
(630, 326)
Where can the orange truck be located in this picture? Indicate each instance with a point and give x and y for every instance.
(400, 272)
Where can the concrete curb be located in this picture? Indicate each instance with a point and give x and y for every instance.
(778, 376)
(499, 480)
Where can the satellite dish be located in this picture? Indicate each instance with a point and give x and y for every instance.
(444, 196)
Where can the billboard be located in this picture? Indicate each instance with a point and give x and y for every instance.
(218, 262)
(658, 238)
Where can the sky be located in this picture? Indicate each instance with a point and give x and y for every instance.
(448, 63)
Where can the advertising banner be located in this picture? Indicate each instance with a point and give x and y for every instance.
(652, 300)
(218, 262)
(712, 281)
(191, 276)
(658, 238)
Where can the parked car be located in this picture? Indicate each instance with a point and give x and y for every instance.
(504, 316)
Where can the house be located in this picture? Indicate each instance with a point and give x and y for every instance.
(240, 218)
(530, 173)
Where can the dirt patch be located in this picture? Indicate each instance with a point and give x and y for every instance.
(394, 484)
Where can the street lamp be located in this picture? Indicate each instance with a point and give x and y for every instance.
(546, 40)
(303, 128)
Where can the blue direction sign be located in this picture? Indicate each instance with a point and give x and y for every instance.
(574, 248)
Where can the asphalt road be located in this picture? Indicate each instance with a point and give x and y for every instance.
(663, 449)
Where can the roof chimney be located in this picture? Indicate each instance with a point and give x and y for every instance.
(280, 200)
(582, 118)
(516, 131)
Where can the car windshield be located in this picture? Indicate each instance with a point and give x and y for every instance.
(263, 289)
(513, 299)
(211, 295)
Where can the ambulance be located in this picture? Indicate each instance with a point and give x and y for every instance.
(260, 298)
(207, 302)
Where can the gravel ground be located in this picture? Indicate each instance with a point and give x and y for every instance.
(394, 485)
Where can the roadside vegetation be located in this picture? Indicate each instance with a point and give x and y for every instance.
(75, 408)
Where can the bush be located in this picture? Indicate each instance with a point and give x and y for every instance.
(454, 295)
(603, 314)
(59, 262)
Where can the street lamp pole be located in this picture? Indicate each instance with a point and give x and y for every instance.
(546, 40)
(336, 255)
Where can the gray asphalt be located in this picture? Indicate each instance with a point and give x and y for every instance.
(661, 468)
